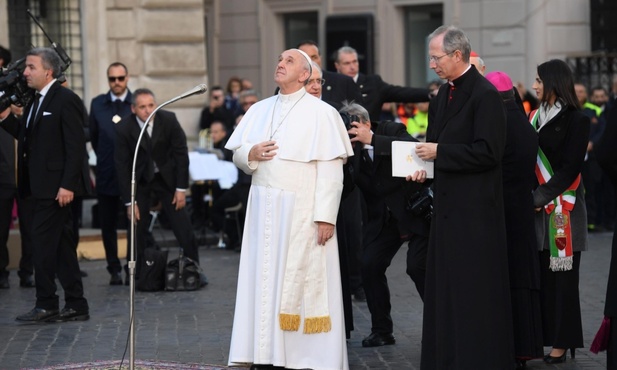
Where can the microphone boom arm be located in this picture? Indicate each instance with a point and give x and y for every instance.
(199, 89)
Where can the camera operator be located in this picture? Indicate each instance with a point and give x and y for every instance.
(389, 222)
(216, 111)
(52, 170)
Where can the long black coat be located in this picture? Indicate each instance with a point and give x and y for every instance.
(564, 142)
(467, 313)
(607, 157)
(103, 139)
(519, 181)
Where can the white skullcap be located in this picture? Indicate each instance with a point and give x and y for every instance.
(308, 59)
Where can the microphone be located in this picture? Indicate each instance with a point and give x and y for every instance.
(199, 89)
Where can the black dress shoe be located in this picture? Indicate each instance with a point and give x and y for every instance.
(116, 279)
(38, 315)
(378, 339)
(555, 360)
(69, 314)
(26, 282)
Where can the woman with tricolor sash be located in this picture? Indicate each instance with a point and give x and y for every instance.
(561, 217)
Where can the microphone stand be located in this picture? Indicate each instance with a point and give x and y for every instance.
(199, 89)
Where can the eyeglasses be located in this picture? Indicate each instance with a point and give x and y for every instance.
(320, 81)
(249, 102)
(436, 59)
(114, 78)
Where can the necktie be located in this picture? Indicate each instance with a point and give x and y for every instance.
(117, 106)
(33, 110)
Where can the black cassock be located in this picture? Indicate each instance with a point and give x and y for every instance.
(467, 313)
(519, 181)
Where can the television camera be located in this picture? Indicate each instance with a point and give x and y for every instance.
(13, 86)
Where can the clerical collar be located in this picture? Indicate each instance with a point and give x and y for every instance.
(121, 97)
(457, 80)
(293, 96)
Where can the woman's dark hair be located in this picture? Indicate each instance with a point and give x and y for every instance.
(558, 81)
(231, 81)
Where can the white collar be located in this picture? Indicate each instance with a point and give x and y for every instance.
(45, 89)
(121, 97)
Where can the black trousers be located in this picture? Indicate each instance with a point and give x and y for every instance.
(561, 307)
(6, 210)
(179, 220)
(109, 207)
(378, 255)
(54, 254)
(25, 212)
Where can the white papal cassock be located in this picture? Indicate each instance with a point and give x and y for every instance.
(300, 185)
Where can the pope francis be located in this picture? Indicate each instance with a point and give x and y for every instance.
(289, 309)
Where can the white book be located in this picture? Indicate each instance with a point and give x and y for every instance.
(405, 161)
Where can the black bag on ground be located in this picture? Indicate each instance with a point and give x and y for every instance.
(151, 276)
(182, 273)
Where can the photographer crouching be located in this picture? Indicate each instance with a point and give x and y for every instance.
(397, 211)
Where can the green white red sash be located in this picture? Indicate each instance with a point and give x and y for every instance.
(560, 232)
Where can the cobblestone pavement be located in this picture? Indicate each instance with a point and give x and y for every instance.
(195, 327)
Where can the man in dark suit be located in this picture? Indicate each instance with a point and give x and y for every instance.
(374, 90)
(53, 169)
(337, 88)
(106, 111)
(389, 224)
(162, 170)
(467, 297)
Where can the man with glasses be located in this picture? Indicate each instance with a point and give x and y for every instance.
(337, 88)
(467, 313)
(106, 110)
(246, 98)
(374, 90)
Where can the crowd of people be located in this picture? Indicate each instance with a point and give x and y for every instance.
(518, 183)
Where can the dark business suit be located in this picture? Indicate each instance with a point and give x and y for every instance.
(167, 148)
(103, 113)
(375, 92)
(339, 88)
(388, 225)
(52, 155)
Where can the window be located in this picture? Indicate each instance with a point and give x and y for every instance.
(420, 21)
(61, 21)
(300, 27)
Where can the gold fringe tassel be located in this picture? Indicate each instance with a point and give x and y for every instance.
(289, 322)
(314, 325)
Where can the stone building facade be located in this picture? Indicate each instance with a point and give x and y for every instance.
(172, 45)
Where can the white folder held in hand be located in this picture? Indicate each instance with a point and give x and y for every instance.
(405, 161)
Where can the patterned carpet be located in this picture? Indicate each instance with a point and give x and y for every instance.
(139, 365)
